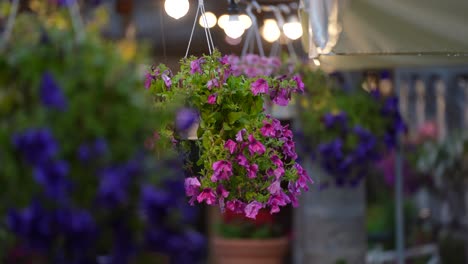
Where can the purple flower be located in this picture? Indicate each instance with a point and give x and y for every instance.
(185, 118)
(212, 83)
(289, 149)
(192, 186)
(221, 192)
(154, 204)
(275, 187)
(252, 171)
(278, 172)
(51, 94)
(207, 195)
(242, 160)
(277, 200)
(148, 80)
(195, 65)
(251, 210)
(255, 146)
(212, 98)
(235, 206)
(52, 176)
(36, 145)
(281, 98)
(240, 135)
(222, 170)
(259, 86)
(224, 60)
(303, 177)
(268, 130)
(230, 145)
(87, 152)
(300, 85)
(167, 80)
(276, 160)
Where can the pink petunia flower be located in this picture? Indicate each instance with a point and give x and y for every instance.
(252, 171)
(303, 177)
(277, 200)
(192, 186)
(281, 98)
(300, 84)
(251, 210)
(212, 98)
(235, 206)
(207, 195)
(167, 80)
(212, 83)
(148, 80)
(278, 172)
(276, 160)
(255, 146)
(259, 86)
(222, 170)
(230, 145)
(240, 135)
(242, 160)
(275, 187)
(268, 130)
(195, 65)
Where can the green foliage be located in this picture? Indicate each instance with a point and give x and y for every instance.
(105, 100)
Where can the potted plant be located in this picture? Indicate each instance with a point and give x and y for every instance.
(343, 133)
(247, 159)
(245, 240)
(77, 185)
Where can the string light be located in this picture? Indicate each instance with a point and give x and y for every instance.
(234, 27)
(293, 28)
(176, 8)
(270, 31)
(208, 20)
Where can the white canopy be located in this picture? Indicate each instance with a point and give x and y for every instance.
(389, 32)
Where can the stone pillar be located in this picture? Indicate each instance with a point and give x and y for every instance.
(330, 224)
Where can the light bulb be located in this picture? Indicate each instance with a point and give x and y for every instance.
(176, 8)
(293, 28)
(223, 20)
(271, 31)
(246, 21)
(234, 27)
(208, 20)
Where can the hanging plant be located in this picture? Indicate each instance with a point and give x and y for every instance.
(346, 131)
(248, 159)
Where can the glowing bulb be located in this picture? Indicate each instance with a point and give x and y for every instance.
(176, 8)
(208, 20)
(271, 31)
(293, 28)
(234, 27)
(223, 20)
(246, 21)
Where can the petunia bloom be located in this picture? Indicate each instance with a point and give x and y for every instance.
(281, 98)
(300, 84)
(195, 66)
(259, 86)
(212, 83)
(51, 93)
(268, 130)
(277, 200)
(255, 146)
(251, 210)
(276, 160)
(192, 186)
(252, 171)
(222, 170)
(212, 98)
(275, 187)
(207, 195)
(235, 206)
(240, 135)
(242, 160)
(230, 145)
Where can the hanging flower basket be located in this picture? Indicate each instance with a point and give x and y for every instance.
(248, 159)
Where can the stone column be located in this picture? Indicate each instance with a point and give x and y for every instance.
(330, 224)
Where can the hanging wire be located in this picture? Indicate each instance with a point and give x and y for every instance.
(253, 33)
(209, 39)
(5, 37)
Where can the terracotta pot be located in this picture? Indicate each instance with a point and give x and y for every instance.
(250, 251)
